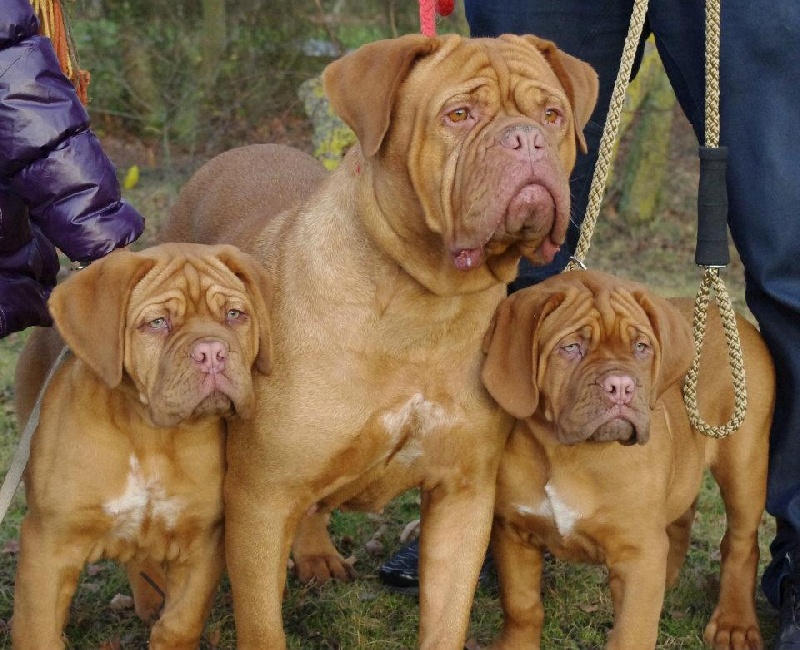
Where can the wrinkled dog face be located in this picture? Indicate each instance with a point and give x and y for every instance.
(597, 373)
(585, 356)
(470, 143)
(191, 339)
(505, 131)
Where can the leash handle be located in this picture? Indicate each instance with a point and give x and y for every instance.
(13, 476)
(712, 245)
(712, 209)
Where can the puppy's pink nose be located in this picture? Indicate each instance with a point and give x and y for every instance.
(210, 355)
(619, 388)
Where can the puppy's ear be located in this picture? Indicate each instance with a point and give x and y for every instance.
(362, 85)
(89, 309)
(511, 347)
(675, 342)
(259, 287)
(578, 79)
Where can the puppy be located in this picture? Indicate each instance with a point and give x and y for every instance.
(603, 465)
(128, 458)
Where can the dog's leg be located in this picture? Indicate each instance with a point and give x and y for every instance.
(637, 573)
(679, 533)
(456, 523)
(47, 574)
(519, 571)
(316, 558)
(739, 473)
(191, 583)
(148, 585)
(258, 537)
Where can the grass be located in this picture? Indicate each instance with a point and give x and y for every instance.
(363, 614)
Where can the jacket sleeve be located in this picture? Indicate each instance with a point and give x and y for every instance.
(53, 161)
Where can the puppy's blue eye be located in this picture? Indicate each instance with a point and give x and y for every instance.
(158, 323)
(234, 314)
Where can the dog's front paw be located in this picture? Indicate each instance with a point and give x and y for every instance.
(726, 631)
(319, 569)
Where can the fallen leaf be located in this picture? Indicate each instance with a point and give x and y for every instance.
(11, 546)
(374, 547)
(214, 636)
(411, 531)
(121, 602)
(94, 569)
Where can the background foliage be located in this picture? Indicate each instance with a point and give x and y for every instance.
(204, 74)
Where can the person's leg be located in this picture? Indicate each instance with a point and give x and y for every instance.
(592, 31)
(760, 111)
(760, 116)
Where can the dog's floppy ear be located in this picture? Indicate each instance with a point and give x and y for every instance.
(362, 85)
(578, 79)
(259, 287)
(674, 339)
(89, 309)
(511, 348)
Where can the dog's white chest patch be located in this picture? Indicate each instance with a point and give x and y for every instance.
(416, 419)
(542, 509)
(564, 517)
(144, 497)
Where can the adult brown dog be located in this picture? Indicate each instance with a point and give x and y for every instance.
(128, 458)
(603, 465)
(386, 279)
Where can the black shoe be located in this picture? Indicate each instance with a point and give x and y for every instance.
(401, 572)
(788, 635)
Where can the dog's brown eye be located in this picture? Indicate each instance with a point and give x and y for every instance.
(458, 114)
(551, 116)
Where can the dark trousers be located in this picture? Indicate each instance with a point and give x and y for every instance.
(760, 123)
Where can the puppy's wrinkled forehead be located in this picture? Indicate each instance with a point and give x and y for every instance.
(603, 313)
(205, 283)
(619, 310)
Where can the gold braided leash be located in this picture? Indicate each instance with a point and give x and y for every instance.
(605, 154)
(715, 163)
(711, 278)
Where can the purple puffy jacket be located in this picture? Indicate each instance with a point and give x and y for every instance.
(57, 186)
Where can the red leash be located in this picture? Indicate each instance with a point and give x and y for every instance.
(428, 9)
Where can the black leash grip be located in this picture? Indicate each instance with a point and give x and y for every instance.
(712, 209)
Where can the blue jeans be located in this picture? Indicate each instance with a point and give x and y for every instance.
(760, 123)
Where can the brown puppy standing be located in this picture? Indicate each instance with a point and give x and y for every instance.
(128, 459)
(603, 465)
(386, 279)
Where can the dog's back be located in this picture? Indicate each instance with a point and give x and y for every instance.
(231, 197)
